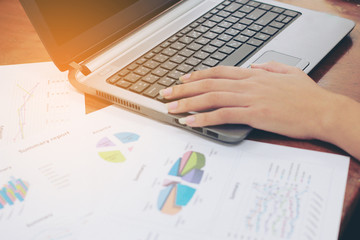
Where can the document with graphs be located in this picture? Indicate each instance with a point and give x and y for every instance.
(116, 175)
(35, 97)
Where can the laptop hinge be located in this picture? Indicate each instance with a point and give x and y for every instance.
(82, 68)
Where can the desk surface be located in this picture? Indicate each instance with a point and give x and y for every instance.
(338, 72)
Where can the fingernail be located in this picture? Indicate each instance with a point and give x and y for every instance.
(185, 77)
(187, 120)
(172, 105)
(166, 92)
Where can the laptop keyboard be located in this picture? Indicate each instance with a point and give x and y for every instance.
(228, 35)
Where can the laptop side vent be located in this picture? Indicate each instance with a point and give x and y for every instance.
(119, 101)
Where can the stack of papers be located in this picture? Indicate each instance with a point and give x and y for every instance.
(116, 175)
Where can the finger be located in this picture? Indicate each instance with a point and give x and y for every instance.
(204, 86)
(226, 72)
(235, 115)
(209, 101)
(275, 67)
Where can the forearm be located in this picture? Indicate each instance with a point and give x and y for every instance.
(341, 124)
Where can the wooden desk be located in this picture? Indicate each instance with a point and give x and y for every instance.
(338, 72)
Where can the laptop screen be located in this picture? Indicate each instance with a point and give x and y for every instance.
(72, 30)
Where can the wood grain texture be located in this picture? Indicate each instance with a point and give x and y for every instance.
(339, 72)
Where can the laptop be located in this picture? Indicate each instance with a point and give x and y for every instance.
(127, 51)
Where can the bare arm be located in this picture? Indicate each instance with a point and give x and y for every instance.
(272, 97)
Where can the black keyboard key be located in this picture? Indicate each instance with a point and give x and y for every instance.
(166, 81)
(255, 42)
(246, 9)
(277, 25)
(194, 46)
(232, 32)
(224, 37)
(184, 68)
(132, 66)
(161, 58)
(193, 34)
(225, 24)
(211, 35)
(177, 46)
(239, 55)
(178, 59)
(193, 61)
(202, 41)
(254, 4)
(149, 55)
(123, 72)
(248, 32)
(186, 52)
(142, 71)
(262, 36)
(232, 19)
(153, 90)
(175, 74)
(233, 7)
(287, 20)
(216, 19)
(254, 15)
(265, 7)
(160, 72)
(209, 49)
(123, 84)
(277, 10)
(209, 24)
(150, 78)
(223, 14)
(269, 30)
(267, 18)
(246, 21)
(113, 79)
(241, 38)
(132, 77)
(290, 13)
(151, 64)
(239, 26)
(169, 65)
(169, 52)
(226, 50)
(217, 43)
(255, 27)
(157, 49)
(201, 55)
(219, 56)
(211, 62)
(186, 40)
(139, 86)
(234, 44)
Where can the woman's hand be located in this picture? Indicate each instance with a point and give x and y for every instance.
(272, 97)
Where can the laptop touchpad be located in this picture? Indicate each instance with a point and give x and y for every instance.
(282, 58)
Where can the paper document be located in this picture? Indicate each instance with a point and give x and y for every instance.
(116, 175)
(34, 98)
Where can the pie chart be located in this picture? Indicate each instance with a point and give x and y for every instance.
(178, 194)
(111, 148)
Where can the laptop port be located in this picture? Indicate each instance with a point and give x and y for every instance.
(212, 134)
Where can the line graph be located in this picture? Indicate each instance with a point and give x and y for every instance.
(21, 110)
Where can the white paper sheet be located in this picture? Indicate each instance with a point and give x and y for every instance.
(34, 98)
(116, 175)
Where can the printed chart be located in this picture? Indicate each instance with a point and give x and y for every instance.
(108, 147)
(176, 195)
(279, 204)
(15, 190)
